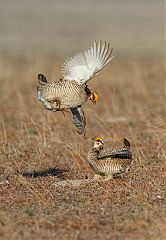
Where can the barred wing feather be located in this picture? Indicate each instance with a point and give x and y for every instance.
(83, 66)
(116, 153)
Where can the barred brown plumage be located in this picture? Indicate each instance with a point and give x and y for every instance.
(72, 91)
(109, 162)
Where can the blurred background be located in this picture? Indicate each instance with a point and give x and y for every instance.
(135, 28)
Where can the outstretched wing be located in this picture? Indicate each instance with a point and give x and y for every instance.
(83, 66)
(79, 119)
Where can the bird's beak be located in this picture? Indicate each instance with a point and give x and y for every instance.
(94, 97)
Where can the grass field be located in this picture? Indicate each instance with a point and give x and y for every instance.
(41, 154)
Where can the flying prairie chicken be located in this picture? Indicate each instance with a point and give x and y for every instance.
(72, 91)
(108, 162)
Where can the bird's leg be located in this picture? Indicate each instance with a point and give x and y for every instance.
(109, 177)
(58, 102)
(55, 100)
(97, 177)
(63, 110)
(85, 133)
(94, 97)
(122, 175)
(63, 113)
(48, 105)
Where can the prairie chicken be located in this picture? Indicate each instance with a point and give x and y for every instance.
(72, 91)
(109, 162)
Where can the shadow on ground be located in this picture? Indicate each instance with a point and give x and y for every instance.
(48, 172)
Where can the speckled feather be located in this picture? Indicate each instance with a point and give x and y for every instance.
(69, 93)
(110, 161)
(72, 91)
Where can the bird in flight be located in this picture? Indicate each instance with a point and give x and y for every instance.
(72, 91)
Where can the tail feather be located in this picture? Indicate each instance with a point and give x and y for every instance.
(126, 143)
(42, 79)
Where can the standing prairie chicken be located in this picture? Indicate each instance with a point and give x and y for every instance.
(72, 91)
(109, 162)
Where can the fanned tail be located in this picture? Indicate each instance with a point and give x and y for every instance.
(126, 143)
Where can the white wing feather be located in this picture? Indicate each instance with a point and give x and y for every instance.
(83, 66)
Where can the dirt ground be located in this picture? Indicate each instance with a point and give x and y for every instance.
(45, 190)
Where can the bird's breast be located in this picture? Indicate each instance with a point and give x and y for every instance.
(69, 93)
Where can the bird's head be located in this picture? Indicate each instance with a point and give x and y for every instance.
(94, 97)
(98, 143)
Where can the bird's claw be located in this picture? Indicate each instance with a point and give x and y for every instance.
(58, 103)
(94, 97)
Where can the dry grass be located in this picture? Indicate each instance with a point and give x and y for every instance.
(42, 154)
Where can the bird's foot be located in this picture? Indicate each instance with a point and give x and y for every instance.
(63, 112)
(58, 103)
(110, 177)
(94, 97)
(97, 177)
(48, 106)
